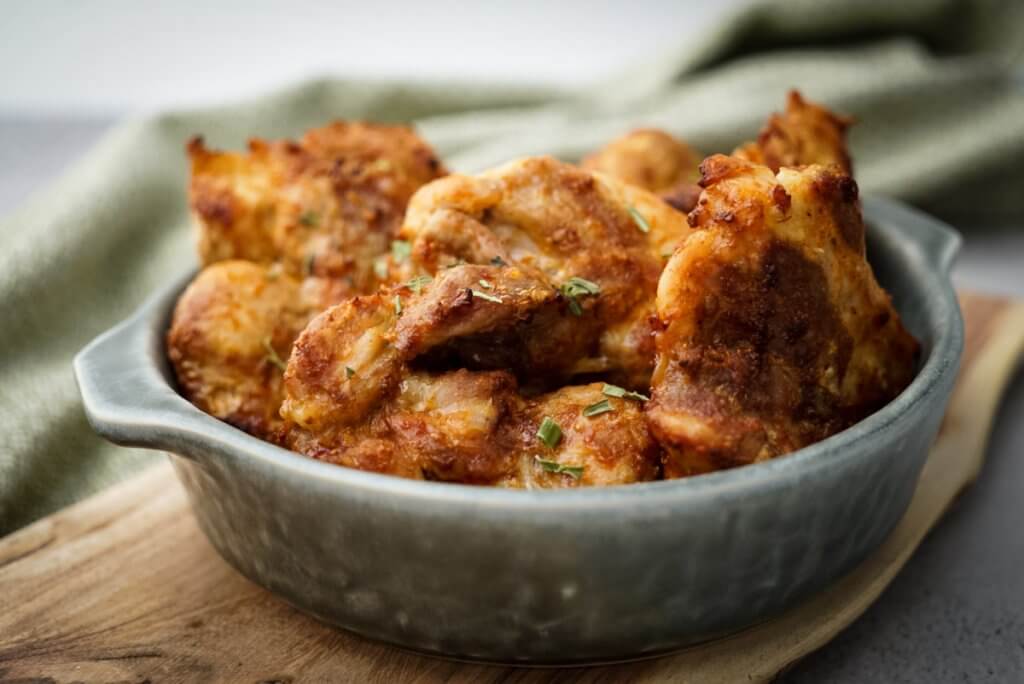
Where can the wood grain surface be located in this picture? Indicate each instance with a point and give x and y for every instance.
(123, 587)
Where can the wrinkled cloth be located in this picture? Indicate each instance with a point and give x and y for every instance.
(936, 86)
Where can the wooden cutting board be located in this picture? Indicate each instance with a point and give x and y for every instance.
(124, 587)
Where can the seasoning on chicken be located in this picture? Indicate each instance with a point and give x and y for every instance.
(580, 436)
(598, 242)
(774, 333)
(231, 335)
(327, 205)
(806, 133)
(654, 160)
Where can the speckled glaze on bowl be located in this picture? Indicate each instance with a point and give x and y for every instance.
(548, 577)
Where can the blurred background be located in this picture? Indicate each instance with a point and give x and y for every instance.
(72, 71)
(75, 68)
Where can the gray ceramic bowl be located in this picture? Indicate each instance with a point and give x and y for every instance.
(548, 576)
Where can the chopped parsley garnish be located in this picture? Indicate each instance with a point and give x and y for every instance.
(308, 263)
(417, 283)
(486, 284)
(457, 262)
(310, 219)
(400, 250)
(639, 220)
(498, 261)
(597, 409)
(484, 295)
(549, 432)
(576, 287)
(380, 268)
(349, 372)
(620, 393)
(398, 305)
(573, 471)
(272, 357)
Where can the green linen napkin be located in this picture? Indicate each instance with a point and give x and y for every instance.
(935, 84)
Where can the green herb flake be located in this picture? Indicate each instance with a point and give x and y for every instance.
(498, 261)
(308, 264)
(576, 287)
(400, 250)
(417, 283)
(549, 432)
(639, 220)
(486, 284)
(573, 471)
(272, 357)
(457, 262)
(487, 297)
(620, 393)
(349, 372)
(310, 219)
(597, 409)
(380, 268)
(398, 305)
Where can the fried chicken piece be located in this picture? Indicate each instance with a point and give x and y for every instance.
(490, 317)
(231, 334)
(774, 332)
(806, 133)
(561, 226)
(354, 398)
(452, 426)
(607, 448)
(654, 160)
(473, 427)
(328, 205)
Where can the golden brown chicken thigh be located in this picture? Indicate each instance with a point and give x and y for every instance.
(357, 395)
(597, 242)
(773, 331)
(806, 133)
(654, 160)
(328, 205)
(601, 441)
(231, 335)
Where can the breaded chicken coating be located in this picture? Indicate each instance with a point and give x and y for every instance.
(602, 441)
(474, 428)
(598, 243)
(774, 333)
(355, 396)
(327, 205)
(231, 335)
(806, 133)
(654, 160)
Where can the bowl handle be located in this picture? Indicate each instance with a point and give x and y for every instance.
(125, 392)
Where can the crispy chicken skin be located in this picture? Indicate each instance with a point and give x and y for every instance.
(357, 394)
(806, 133)
(473, 427)
(452, 426)
(231, 332)
(554, 222)
(610, 448)
(654, 160)
(361, 307)
(327, 205)
(773, 331)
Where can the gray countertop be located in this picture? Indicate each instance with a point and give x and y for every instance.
(955, 612)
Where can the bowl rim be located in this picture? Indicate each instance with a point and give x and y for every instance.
(177, 423)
